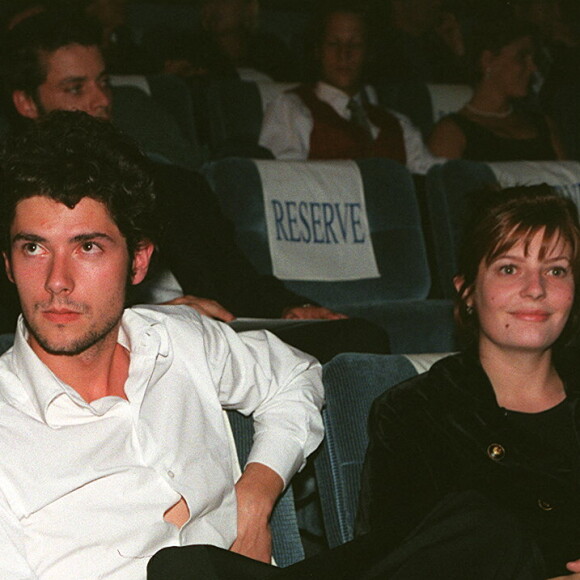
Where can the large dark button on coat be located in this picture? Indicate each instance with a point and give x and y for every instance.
(545, 505)
(496, 452)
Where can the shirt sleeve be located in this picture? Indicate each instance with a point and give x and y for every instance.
(419, 158)
(256, 373)
(13, 562)
(286, 128)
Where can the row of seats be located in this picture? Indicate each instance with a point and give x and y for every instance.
(395, 295)
(414, 228)
(223, 117)
(214, 119)
(190, 123)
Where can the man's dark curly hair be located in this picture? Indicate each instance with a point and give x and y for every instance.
(69, 155)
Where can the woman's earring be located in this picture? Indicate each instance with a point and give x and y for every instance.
(469, 310)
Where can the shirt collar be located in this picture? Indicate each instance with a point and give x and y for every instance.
(336, 98)
(138, 333)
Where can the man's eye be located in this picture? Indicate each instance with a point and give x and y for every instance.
(90, 248)
(31, 248)
(75, 89)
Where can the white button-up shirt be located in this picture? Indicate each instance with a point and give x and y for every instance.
(288, 123)
(83, 487)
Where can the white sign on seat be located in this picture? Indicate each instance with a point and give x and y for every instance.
(423, 362)
(317, 220)
(446, 99)
(564, 176)
(138, 81)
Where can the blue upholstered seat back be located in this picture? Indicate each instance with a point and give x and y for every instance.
(448, 188)
(449, 193)
(235, 115)
(287, 544)
(235, 109)
(352, 382)
(411, 98)
(394, 223)
(153, 127)
(6, 341)
(175, 96)
(423, 103)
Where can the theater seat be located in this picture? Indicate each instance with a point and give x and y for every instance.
(6, 341)
(352, 382)
(287, 544)
(395, 295)
(423, 103)
(392, 212)
(411, 98)
(235, 109)
(447, 98)
(451, 186)
(153, 127)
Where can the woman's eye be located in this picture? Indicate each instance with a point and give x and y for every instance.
(508, 269)
(558, 271)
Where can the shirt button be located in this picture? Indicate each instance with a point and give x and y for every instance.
(171, 474)
(545, 505)
(496, 452)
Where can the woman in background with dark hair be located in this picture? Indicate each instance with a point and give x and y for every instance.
(495, 428)
(492, 126)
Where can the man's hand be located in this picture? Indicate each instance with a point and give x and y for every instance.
(205, 306)
(256, 492)
(309, 311)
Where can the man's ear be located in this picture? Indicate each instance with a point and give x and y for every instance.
(8, 266)
(141, 261)
(25, 105)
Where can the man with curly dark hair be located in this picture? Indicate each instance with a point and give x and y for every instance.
(114, 440)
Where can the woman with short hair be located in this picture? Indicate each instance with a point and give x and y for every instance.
(500, 421)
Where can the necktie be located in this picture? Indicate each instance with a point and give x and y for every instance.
(358, 117)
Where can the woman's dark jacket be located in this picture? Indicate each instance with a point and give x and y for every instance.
(442, 432)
